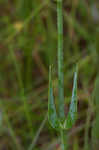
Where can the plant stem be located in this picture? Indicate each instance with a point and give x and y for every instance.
(60, 68)
(62, 140)
(60, 59)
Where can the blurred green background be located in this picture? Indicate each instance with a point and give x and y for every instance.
(28, 45)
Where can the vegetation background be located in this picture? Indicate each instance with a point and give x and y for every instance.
(28, 45)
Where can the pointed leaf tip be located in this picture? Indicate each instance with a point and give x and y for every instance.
(52, 116)
(72, 115)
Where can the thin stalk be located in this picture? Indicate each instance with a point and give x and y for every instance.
(61, 123)
(32, 145)
(62, 140)
(60, 59)
(60, 68)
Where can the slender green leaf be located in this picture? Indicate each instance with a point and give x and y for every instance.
(52, 116)
(72, 115)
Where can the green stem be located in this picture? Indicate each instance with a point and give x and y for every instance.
(60, 59)
(60, 68)
(62, 140)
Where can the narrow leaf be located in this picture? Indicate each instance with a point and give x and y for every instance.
(52, 116)
(72, 115)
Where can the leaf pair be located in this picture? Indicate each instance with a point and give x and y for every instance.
(72, 115)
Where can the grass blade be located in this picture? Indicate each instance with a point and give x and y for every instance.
(72, 115)
(32, 145)
(52, 116)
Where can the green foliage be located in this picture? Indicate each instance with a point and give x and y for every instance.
(28, 44)
(72, 115)
(24, 8)
(95, 129)
(52, 116)
(61, 123)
